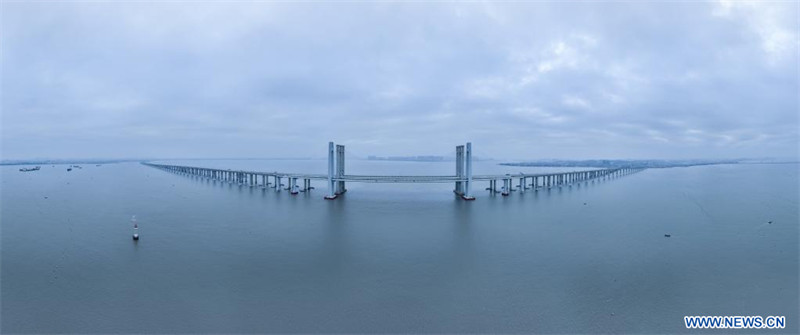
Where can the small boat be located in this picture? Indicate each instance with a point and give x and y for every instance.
(30, 169)
(69, 169)
(135, 228)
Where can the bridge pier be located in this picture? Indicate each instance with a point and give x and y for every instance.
(293, 185)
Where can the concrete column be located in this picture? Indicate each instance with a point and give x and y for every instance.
(468, 186)
(331, 190)
(459, 189)
(340, 187)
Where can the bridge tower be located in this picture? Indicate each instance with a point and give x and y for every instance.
(335, 171)
(331, 191)
(464, 171)
(459, 170)
(340, 169)
(468, 162)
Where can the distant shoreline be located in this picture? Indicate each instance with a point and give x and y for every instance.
(640, 163)
(553, 163)
(62, 162)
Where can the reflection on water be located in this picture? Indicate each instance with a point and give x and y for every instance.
(217, 257)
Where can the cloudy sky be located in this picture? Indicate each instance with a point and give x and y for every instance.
(519, 80)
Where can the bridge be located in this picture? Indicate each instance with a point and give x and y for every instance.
(336, 179)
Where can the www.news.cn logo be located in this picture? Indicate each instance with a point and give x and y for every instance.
(734, 322)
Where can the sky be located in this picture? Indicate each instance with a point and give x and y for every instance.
(538, 80)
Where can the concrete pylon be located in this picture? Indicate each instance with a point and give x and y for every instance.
(459, 190)
(331, 165)
(468, 167)
(340, 169)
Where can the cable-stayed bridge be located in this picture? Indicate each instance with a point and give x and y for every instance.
(336, 178)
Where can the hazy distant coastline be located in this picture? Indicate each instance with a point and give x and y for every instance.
(648, 163)
(598, 163)
(64, 161)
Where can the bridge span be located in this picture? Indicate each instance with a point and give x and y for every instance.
(336, 178)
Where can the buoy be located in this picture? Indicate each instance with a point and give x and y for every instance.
(135, 228)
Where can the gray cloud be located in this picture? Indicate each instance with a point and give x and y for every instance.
(535, 80)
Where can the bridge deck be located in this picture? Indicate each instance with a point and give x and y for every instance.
(387, 179)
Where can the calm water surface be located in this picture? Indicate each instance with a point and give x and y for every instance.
(216, 257)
